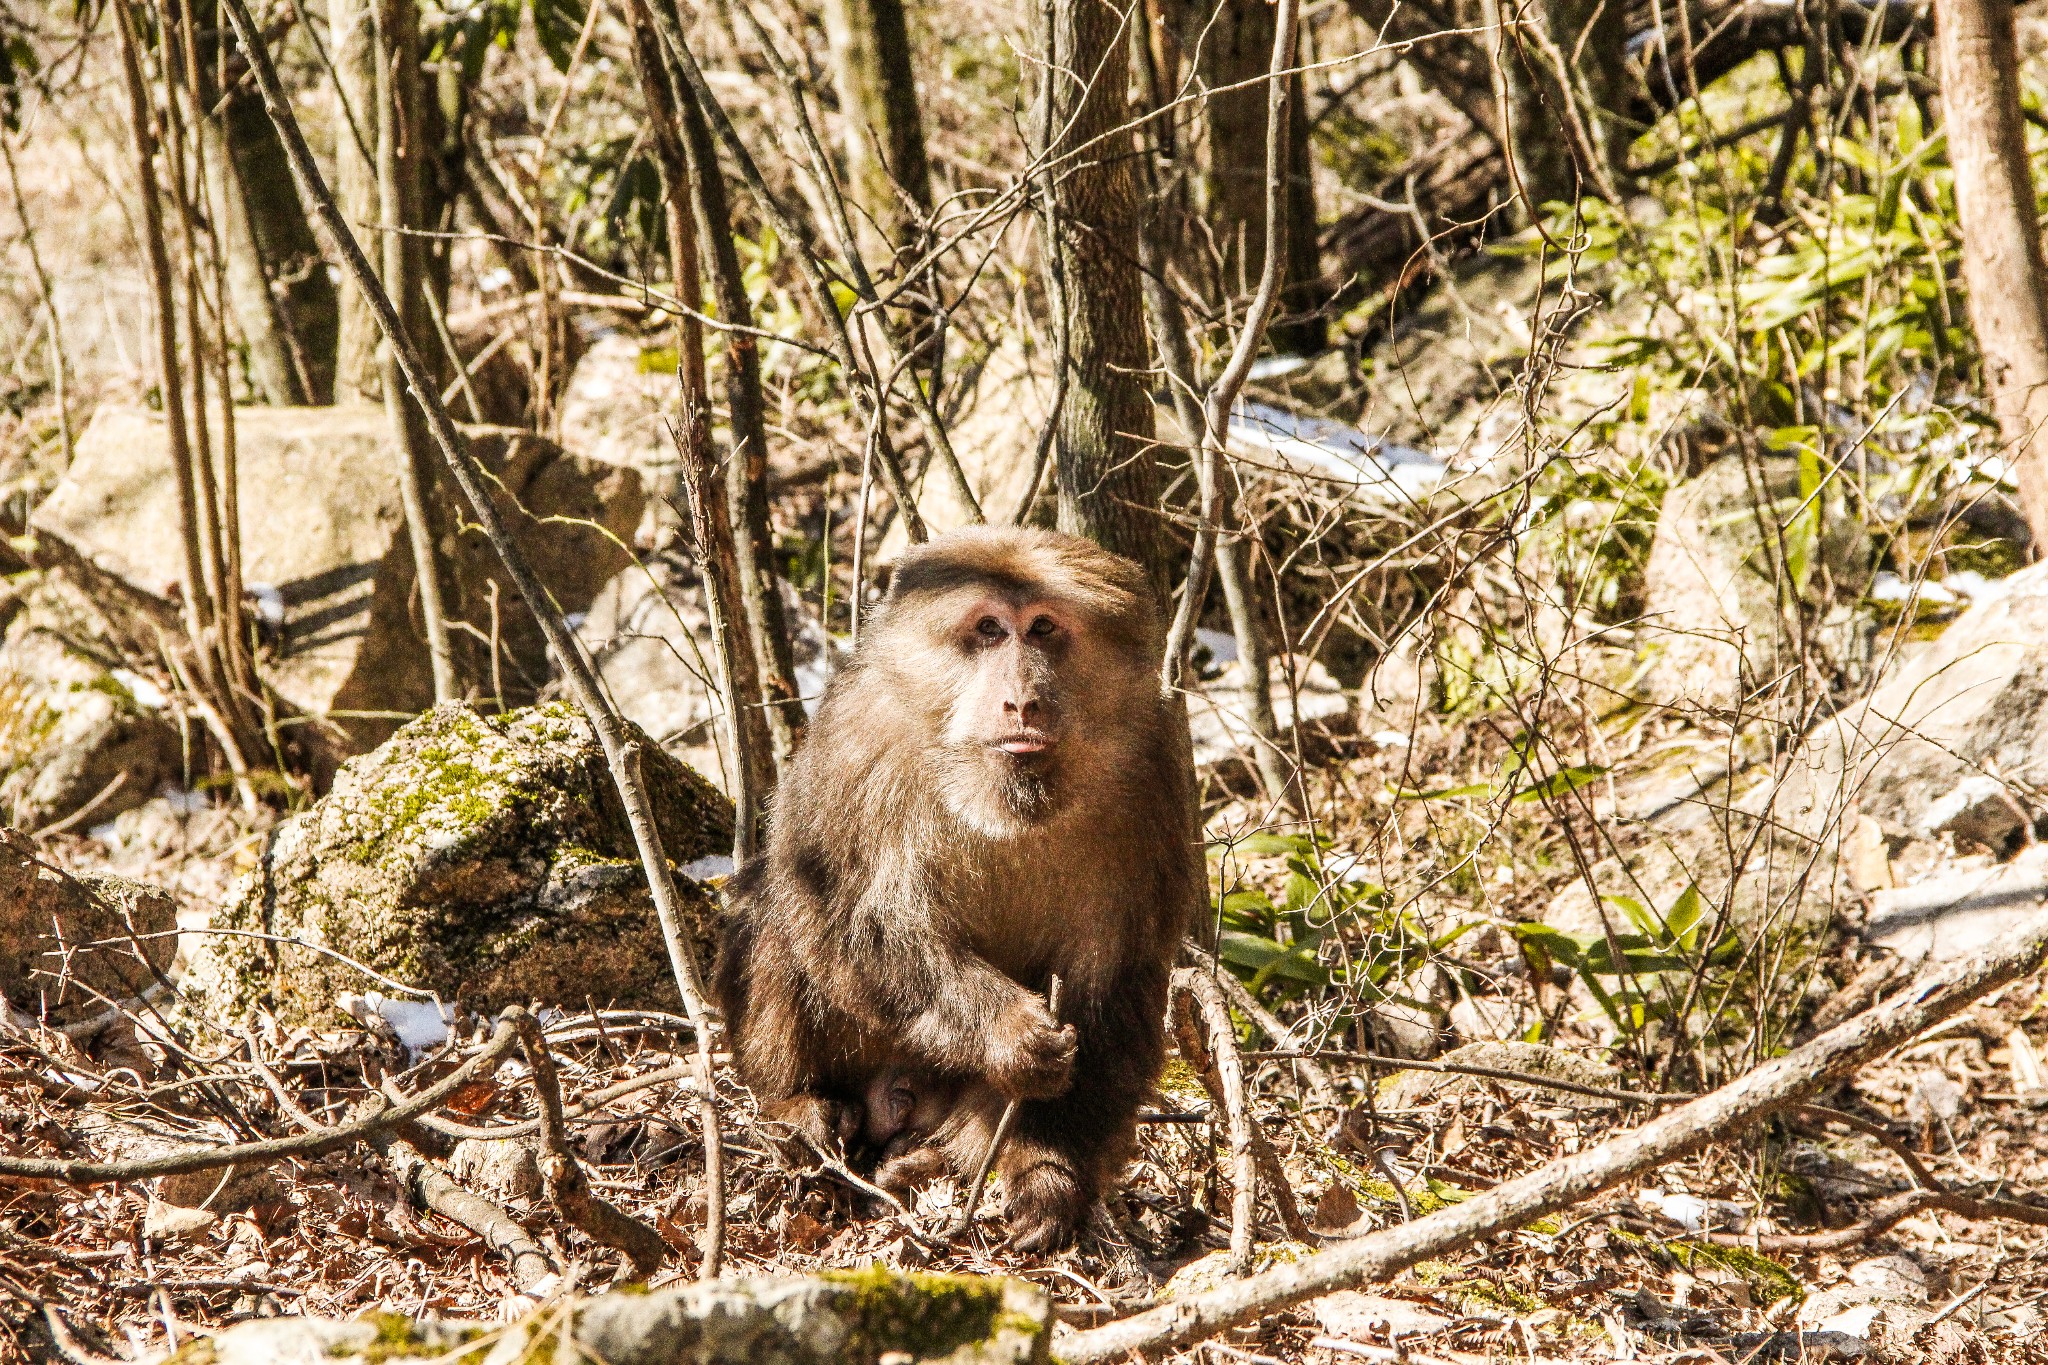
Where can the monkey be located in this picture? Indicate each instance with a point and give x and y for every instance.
(994, 792)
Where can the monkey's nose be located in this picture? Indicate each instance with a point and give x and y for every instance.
(1027, 713)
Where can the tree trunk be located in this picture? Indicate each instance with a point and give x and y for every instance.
(352, 37)
(354, 28)
(1233, 52)
(2002, 258)
(396, 88)
(1561, 72)
(284, 300)
(746, 468)
(1105, 474)
(878, 108)
(749, 751)
(688, 158)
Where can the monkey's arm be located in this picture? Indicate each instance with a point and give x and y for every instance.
(947, 1004)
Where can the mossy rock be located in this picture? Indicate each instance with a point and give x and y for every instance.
(47, 916)
(842, 1318)
(485, 858)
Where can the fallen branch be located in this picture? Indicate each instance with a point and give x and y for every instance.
(581, 1106)
(1884, 1215)
(568, 1188)
(1491, 1073)
(621, 750)
(1571, 1180)
(434, 1189)
(268, 1150)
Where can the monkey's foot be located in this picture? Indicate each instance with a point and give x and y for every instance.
(911, 1171)
(1046, 1205)
(804, 1126)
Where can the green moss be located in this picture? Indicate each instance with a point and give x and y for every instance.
(447, 784)
(396, 1337)
(925, 1315)
(1769, 1282)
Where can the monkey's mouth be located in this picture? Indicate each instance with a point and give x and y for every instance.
(1026, 742)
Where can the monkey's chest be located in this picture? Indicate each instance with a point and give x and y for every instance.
(1032, 918)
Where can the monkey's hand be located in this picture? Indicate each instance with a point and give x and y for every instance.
(1030, 1054)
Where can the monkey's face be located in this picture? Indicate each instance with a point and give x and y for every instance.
(1020, 660)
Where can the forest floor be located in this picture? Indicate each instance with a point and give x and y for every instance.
(1751, 1250)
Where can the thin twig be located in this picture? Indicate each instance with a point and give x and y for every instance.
(972, 1203)
(621, 753)
(193, 1159)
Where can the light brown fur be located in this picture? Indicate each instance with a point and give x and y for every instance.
(926, 875)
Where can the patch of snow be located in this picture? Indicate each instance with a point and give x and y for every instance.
(1221, 644)
(419, 1024)
(269, 603)
(145, 692)
(705, 869)
(1373, 465)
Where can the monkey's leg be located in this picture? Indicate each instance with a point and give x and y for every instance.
(776, 1053)
(1063, 1152)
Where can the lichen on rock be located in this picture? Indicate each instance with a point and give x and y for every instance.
(477, 856)
(842, 1318)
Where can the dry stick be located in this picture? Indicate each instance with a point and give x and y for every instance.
(1884, 1215)
(995, 1142)
(428, 1184)
(572, 1109)
(622, 755)
(1222, 396)
(436, 1190)
(1247, 1004)
(865, 391)
(1775, 1085)
(194, 1159)
(568, 1188)
(1491, 1073)
(1210, 1043)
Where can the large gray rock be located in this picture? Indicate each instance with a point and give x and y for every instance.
(1715, 619)
(80, 736)
(47, 916)
(1955, 742)
(480, 857)
(324, 551)
(651, 640)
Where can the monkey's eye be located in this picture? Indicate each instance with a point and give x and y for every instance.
(988, 628)
(1043, 627)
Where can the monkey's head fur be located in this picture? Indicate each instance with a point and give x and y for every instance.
(1017, 657)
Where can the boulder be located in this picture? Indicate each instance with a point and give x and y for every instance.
(651, 641)
(80, 736)
(1956, 741)
(1714, 628)
(46, 915)
(326, 556)
(485, 858)
(1962, 907)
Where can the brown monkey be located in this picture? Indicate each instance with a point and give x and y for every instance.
(993, 793)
